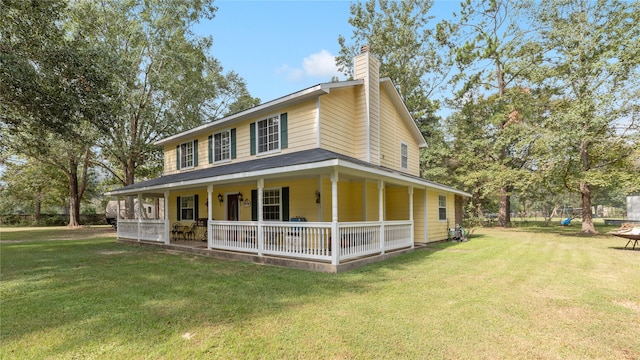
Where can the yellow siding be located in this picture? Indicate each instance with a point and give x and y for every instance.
(418, 216)
(394, 132)
(301, 127)
(438, 229)
(339, 131)
(372, 205)
(358, 200)
(397, 203)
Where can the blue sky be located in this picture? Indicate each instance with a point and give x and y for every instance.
(280, 47)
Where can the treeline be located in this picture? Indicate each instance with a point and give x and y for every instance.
(541, 100)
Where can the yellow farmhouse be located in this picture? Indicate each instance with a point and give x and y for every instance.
(326, 178)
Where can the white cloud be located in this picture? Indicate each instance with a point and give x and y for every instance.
(290, 74)
(319, 65)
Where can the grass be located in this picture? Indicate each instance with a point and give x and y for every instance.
(10, 234)
(528, 292)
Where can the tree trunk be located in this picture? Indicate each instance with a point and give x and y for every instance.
(587, 217)
(129, 179)
(38, 208)
(504, 212)
(74, 198)
(585, 191)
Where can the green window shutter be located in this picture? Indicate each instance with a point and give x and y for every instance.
(210, 149)
(178, 207)
(284, 133)
(254, 205)
(195, 153)
(233, 143)
(252, 131)
(178, 157)
(285, 203)
(195, 207)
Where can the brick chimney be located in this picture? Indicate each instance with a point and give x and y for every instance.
(366, 67)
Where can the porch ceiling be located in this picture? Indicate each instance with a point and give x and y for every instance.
(302, 163)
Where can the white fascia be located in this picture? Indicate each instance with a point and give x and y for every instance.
(265, 108)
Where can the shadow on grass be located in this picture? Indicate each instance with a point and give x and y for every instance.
(624, 248)
(574, 230)
(98, 291)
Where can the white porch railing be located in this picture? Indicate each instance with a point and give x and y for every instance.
(398, 235)
(306, 240)
(309, 240)
(151, 230)
(233, 235)
(302, 240)
(364, 238)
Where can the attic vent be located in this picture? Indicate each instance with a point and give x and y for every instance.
(365, 49)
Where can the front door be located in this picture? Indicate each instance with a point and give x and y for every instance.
(232, 207)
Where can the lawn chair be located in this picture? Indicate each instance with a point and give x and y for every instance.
(176, 230)
(190, 233)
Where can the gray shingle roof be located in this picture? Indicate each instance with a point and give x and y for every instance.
(267, 163)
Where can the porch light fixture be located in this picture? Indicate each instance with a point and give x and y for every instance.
(220, 199)
(240, 197)
(317, 197)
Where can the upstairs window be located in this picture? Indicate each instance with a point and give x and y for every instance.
(404, 156)
(187, 155)
(269, 135)
(442, 207)
(222, 146)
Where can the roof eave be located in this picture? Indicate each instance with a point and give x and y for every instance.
(263, 109)
(387, 84)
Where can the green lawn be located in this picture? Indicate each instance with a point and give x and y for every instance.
(521, 293)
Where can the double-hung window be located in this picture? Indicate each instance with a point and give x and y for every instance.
(404, 156)
(187, 208)
(222, 146)
(187, 154)
(271, 204)
(269, 134)
(442, 207)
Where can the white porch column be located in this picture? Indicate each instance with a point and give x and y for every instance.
(411, 214)
(260, 229)
(381, 213)
(139, 212)
(209, 215)
(117, 216)
(335, 243)
(167, 226)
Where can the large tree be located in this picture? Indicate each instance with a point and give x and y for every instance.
(166, 78)
(592, 58)
(492, 62)
(71, 157)
(53, 99)
(401, 36)
(30, 186)
(46, 80)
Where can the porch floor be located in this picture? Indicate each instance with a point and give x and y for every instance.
(200, 248)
